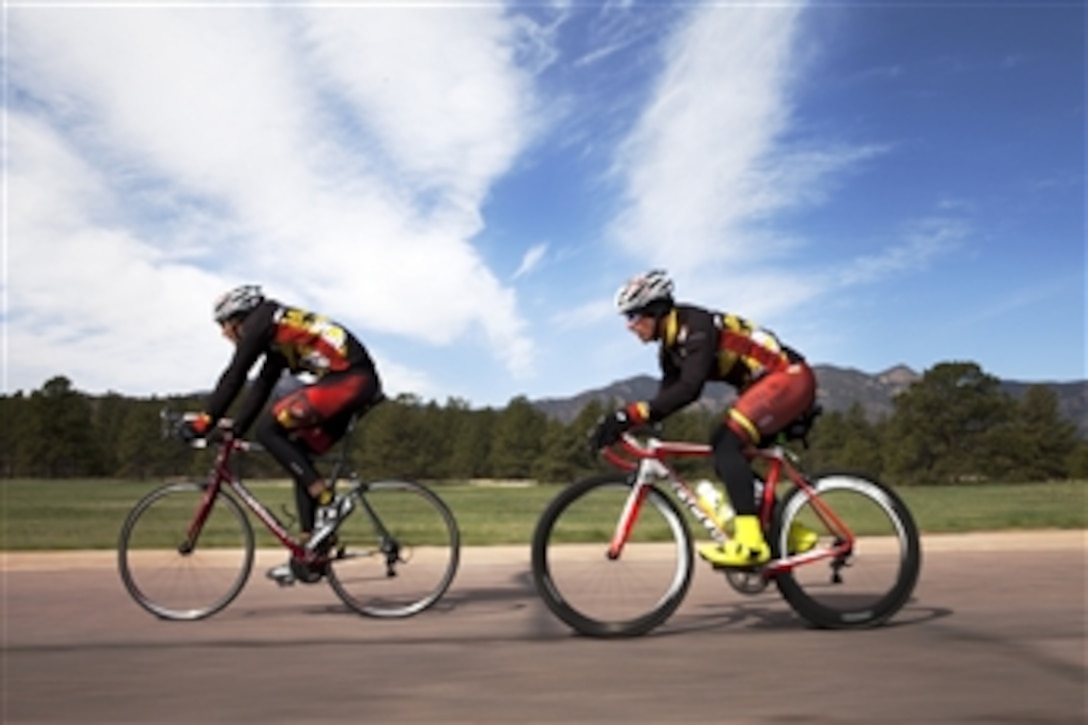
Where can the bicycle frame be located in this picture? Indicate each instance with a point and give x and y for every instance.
(219, 475)
(648, 464)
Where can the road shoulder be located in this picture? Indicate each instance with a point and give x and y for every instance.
(1039, 540)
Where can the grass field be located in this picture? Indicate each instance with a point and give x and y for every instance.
(88, 514)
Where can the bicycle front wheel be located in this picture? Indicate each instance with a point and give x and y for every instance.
(173, 577)
(872, 583)
(603, 597)
(397, 552)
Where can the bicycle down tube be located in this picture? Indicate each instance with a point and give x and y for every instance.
(221, 474)
(650, 467)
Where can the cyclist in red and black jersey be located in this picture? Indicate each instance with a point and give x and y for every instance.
(308, 420)
(774, 384)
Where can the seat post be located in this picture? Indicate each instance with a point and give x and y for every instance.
(341, 466)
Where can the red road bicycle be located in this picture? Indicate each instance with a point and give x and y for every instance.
(612, 555)
(187, 549)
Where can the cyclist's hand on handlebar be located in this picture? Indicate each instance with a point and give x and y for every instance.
(193, 426)
(609, 429)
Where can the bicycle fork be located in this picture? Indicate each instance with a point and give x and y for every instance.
(220, 472)
(627, 519)
(648, 471)
(203, 509)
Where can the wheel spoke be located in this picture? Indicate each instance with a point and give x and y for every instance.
(175, 578)
(397, 552)
(596, 594)
(875, 579)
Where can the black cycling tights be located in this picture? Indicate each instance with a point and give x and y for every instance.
(294, 456)
(733, 468)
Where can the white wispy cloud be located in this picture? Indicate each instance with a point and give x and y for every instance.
(922, 242)
(533, 256)
(695, 165)
(340, 156)
(718, 157)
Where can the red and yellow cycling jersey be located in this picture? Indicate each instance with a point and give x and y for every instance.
(746, 351)
(699, 345)
(309, 342)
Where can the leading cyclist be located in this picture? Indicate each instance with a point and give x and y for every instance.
(774, 385)
(306, 421)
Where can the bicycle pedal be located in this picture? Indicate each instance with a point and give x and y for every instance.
(741, 569)
(283, 581)
(283, 575)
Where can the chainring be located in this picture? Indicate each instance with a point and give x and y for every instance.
(746, 582)
(307, 573)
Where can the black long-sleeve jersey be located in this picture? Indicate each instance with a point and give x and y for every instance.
(289, 339)
(699, 345)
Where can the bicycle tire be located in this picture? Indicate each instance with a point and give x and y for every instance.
(879, 575)
(397, 552)
(601, 597)
(164, 578)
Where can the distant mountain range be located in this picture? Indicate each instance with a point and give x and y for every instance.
(839, 389)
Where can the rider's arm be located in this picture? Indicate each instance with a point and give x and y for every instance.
(258, 393)
(683, 382)
(252, 344)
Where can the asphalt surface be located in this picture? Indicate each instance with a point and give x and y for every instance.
(996, 632)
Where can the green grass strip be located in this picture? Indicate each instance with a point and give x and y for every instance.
(88, 513)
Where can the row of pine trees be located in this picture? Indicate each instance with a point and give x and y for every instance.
(953, 426)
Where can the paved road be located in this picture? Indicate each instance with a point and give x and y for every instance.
(996, 633)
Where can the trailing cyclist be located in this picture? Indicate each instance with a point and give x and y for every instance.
(306, 421)
(774, 387)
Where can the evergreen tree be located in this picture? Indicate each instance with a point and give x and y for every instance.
(846, 440)
(139, 446)
(566, 454)
(518, 439)
(14, 417)
(391, 442)
(861, 449)
(61, 439)
(1077, 461)
(470, 455)
(109, 413)
(1035, 444)
(938, 431)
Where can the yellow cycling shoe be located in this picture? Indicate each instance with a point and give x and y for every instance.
(800, 538)
(746, 549)
(735, 554)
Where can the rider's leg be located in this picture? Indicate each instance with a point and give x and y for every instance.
(311, 420)
(766, 407)
(747, 547)
(308, 422)
(291, 453)
(733, 468)
(778, 400)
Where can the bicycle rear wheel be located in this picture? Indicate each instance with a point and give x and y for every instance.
(397, 552)
(176, 579)
(602, 597)
(872, 583)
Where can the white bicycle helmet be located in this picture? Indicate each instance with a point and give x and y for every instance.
(238, 301)
(643, 291)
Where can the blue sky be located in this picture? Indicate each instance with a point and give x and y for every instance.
(465, 185)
